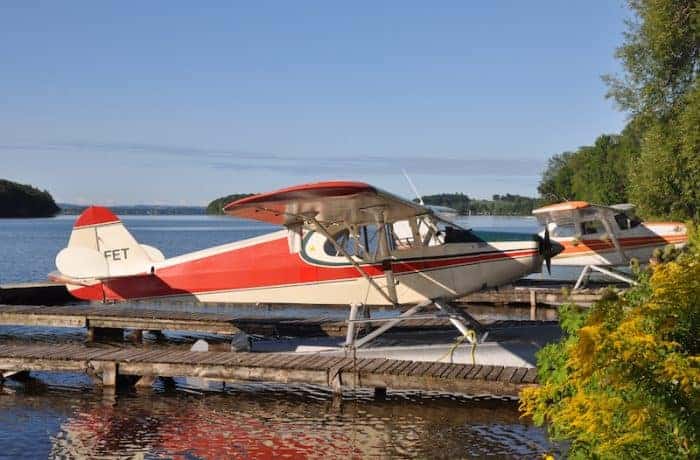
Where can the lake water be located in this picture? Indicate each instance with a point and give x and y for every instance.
(64, 416)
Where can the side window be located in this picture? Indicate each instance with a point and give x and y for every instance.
(343, 239)
(458, 235)
(564, 231)
(622, 221)
(591, 227)
(370, 239)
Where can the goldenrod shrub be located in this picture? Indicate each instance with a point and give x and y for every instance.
(623, 383)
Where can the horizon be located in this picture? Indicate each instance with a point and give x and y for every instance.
(176, 105)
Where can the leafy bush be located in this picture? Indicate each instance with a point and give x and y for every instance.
(623, 383)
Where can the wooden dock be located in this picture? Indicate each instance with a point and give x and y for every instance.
(41, 293)
(141, 366)
(110, 321)
(101, 318)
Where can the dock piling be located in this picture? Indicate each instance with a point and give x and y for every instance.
(104, 334)
(109, 373)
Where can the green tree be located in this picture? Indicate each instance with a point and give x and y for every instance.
(596, 173)
(665, 179)
(661, 60)
(556, 182)
(19, 200)
(659, 55)
(217, 206)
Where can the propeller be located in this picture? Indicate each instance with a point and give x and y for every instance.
(548, 249)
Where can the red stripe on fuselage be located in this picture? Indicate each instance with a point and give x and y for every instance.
(264, 264)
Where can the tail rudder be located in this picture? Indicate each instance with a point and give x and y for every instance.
(100, 247)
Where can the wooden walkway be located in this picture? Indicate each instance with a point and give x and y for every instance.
(118, 317)
(337, 373)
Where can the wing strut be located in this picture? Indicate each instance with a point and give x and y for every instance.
(613, 236)
(321, 229)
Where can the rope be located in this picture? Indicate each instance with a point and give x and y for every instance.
(471, 336)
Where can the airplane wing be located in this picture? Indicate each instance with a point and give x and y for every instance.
(560, 212)
(565, 211)
(327, 202)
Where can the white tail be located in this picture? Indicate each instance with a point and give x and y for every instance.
(100, 247)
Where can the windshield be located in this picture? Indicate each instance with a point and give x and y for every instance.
(430, 230)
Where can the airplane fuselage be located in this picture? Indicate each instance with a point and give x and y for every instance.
(263, 270)
(638, 242)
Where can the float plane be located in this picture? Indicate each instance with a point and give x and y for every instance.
(596, 236)
(342, 242)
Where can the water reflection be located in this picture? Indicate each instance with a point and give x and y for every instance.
(257, 421)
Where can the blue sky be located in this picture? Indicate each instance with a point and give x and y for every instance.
(173, 102)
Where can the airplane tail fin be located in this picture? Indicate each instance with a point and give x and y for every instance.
(100, 247)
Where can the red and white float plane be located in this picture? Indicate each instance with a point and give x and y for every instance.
(596, 236)
(342, 243)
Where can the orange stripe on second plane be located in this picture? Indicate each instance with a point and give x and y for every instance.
(585, 246)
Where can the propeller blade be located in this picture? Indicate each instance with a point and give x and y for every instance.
(547, 250)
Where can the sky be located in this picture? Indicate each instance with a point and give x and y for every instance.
(182, 102)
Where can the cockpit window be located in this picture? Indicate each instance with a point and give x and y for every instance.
(344, 241)
(370, 240)
(592, 226)
(564, 230)
(625, 221)
(622, 221)
(460, 235)
(363, 241)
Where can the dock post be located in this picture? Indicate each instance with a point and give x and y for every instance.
(95, 334)
(145, 381)
(533, 305)
(109, 374)
(336, 384)
(137, 335)
(157, 333)
(350, 337)
(366, 329)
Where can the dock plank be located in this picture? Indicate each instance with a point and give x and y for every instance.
(530, 376)
(279, 367)
(464, 371)
(518, 375)
(474, 372)
(495, 372)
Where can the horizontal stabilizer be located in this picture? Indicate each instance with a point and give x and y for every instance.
(81, 262)
(153, 254)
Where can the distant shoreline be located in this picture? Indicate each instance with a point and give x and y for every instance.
(201, 211)
(138, 210)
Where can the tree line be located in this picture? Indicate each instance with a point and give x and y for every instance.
(655, 161)
(498, 205)
(217, 206)
(20, 200)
